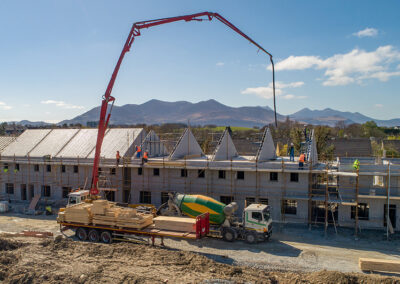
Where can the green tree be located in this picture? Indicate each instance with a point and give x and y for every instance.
(296, 137)
(370, 129)
(3, 128)
(323, 134)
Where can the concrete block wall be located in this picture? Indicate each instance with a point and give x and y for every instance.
(170, 180)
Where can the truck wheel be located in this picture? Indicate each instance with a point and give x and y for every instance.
(93, 236)
(81, 234)
(251, 238)
(106, 237)
(228, 234)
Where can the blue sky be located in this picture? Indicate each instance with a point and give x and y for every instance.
(57, 56)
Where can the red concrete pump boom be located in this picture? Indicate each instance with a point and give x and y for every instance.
(105, 111)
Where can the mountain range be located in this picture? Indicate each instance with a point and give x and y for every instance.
(213, 112)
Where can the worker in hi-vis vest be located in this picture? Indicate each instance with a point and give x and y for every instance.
(117, 157)
(301, 160)
(291, 152)
(145, 157)
(356, 165)
(138, 151)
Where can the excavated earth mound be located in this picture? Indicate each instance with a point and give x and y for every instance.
(29, 260)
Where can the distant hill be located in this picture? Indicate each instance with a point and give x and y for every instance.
(201, 113)
(30, 123)
(330, 117)
(213, 112)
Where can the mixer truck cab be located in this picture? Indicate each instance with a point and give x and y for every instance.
(257, 223)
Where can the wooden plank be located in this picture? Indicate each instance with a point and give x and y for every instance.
(34, 202)
(373, 264)
(180, 224)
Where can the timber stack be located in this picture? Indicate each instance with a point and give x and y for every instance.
(103, 212)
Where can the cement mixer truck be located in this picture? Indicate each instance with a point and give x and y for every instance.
(254, 225)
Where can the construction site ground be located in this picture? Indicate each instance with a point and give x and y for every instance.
(294, 254)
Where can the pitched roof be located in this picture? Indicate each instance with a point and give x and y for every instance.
(153, 145)
(186, 146)
(225, 149)
(74, 143)
(25, 142)
(5, 141)
(267, 148)
(352, 147)
(313, 151)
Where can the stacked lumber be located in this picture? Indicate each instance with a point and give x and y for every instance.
(132, 219)
(109, 217)
(99, 206)
(107, 213)
(373, 264)
(179, 224)
(79, 213)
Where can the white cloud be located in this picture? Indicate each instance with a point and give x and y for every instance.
(352, 67)
(220, 64)
(267, 92)
(5, 106)
(281, 85)
(298, 63)
(378, 105)
(61, 104)
(370, 32)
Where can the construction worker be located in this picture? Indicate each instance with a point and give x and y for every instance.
(301, 161)
(118, 157)
(356, 165)
(305, 132)
(48, 210)
(145, 157)
(291, 152)
(138, 151)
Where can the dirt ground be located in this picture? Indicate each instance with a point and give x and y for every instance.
(294, 255)
(32, 260)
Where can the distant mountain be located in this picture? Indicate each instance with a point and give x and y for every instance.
(213, 112)
(30, 123)
(201, 113)
(330, 117)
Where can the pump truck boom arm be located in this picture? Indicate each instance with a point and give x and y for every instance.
(105, 112)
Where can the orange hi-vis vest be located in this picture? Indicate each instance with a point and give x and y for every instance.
(118, 156)
(302, 157)
(138, 149)
(145, 155)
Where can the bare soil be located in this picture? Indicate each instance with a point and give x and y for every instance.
(29, 260)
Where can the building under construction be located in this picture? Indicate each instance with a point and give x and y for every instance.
(46, 164)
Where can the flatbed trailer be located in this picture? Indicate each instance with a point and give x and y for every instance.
(106, 234)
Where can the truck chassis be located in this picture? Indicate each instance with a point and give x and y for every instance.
(106, 234)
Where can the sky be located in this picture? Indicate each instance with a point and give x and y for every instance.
(57, 57)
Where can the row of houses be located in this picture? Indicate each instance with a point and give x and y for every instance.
(51, 162)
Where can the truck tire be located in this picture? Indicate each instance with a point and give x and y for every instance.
(93, 236)
(106, 237)
(229, 234)
(81, 234)
(250, 237)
